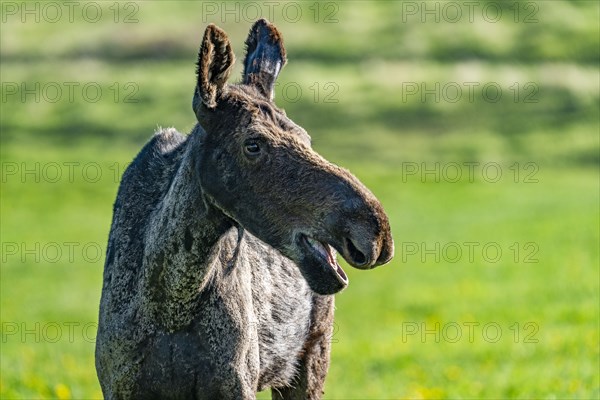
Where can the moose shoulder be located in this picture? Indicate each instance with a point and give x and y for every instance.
(221, 261)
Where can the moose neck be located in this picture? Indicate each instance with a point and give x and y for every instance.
(182, 241)
(206, 222)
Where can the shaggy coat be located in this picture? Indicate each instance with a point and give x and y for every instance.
(221, 262)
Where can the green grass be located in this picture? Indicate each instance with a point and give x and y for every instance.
(542, 292)
(558, 294)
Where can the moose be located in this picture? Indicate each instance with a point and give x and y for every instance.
(221, 261)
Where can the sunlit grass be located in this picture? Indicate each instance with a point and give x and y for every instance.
(395, 333)
(556, 294)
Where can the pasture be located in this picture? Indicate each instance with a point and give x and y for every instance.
(480, 137)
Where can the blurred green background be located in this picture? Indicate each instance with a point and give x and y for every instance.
(494, 290)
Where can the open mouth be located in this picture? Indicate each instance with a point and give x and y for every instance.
(325, 253)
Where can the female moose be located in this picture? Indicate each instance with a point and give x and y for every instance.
(221, 261)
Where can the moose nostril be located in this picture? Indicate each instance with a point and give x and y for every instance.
(356, 255)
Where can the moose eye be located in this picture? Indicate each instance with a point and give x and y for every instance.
(252, 148)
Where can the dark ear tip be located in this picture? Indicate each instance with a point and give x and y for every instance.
(263, 30)
(261, 24)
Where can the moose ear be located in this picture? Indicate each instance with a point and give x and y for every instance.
(215, 60)
(265, 57)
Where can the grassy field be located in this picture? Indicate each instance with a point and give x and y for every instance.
(493, 199)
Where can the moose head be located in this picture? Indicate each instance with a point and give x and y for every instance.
(258, 168)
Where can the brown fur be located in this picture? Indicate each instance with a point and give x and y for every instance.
(216, 282)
